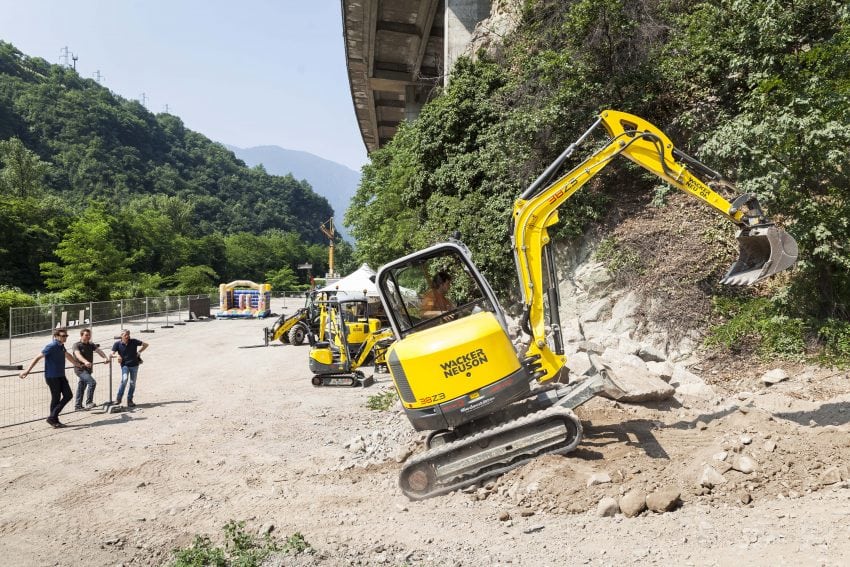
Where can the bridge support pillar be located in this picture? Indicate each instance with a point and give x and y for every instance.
(461, 18)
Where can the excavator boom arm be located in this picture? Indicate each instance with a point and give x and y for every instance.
(765, 249)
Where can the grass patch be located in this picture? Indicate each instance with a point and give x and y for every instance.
(382, 401)
(241, 549)
(620, 260)
(755, 324)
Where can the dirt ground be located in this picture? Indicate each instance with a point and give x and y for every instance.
(227, 433)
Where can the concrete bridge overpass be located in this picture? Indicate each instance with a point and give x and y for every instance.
(398, 52)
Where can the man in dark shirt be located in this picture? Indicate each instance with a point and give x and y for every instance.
(128, 350)
(84, 353)
(54, 355)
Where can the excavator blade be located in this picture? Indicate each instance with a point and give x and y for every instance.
(764, 251)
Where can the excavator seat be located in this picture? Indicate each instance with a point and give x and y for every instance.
(764, 251)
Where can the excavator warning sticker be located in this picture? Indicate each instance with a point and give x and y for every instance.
(463, 363)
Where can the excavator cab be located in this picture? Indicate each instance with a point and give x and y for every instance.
(454, 361)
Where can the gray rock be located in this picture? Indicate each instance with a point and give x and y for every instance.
(682, 375)
(599, 478)
(594, 278)
(711, 478)
(651, 354)
(629, 347)
(590, 346)
(830, 476)
(633, 503)
(774, 376)
(769, 446)
(744, 464)
(607, 507)
(701, 391)
(639, 384)
(663, 370)
(596, 310)
(579, 364)
(663, 500)
(625, 307)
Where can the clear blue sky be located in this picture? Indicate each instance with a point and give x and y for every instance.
(245, 73)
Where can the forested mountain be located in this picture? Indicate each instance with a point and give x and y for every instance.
(335, 182)
(99, 197)
(760, 90)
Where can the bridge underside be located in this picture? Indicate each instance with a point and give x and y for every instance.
(394, 51)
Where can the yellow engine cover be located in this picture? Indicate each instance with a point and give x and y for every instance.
(358, 331)
(454, 359)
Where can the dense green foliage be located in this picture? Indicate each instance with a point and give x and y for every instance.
(758, 89)
(100, 198)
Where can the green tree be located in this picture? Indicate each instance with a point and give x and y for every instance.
(23, 171)
(92, 264)
(193, 280)
(283, 279)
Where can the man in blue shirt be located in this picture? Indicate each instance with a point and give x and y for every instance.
(128, 350)
(55, 355)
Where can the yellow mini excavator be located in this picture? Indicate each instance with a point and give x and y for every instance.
(491, 406)
(347, 340)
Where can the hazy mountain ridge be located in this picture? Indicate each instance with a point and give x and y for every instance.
(334, 181)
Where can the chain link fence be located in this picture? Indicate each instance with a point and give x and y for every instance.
(30, 326)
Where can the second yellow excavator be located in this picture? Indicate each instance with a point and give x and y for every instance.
(491, 406)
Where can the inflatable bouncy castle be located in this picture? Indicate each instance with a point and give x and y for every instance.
(244, 300)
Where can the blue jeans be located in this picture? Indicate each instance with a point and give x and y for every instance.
(86, 379)
(128, 373)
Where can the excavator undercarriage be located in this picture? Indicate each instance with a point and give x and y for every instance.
(546, 425)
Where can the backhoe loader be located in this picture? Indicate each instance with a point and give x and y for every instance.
(490, 406)
(347, 339)
(294, 329)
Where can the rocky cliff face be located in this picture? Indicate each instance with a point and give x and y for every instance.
(487, 36)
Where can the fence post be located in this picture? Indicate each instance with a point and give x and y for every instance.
(147, 328)
(167, 305)
(121, 312)
(91, 314)
(10, 335)
(52, 317)
(179, 319)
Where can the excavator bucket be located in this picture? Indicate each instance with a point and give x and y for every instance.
(764, 251)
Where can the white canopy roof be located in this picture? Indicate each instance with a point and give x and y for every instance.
(355, 283)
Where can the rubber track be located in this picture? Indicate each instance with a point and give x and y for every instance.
(437, 452)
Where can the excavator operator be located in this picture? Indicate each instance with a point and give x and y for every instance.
(435, 301)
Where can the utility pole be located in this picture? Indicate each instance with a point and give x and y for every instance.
(74, 58)
(63, 56)
(143, 98)
(97, 76)
(166, 109)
